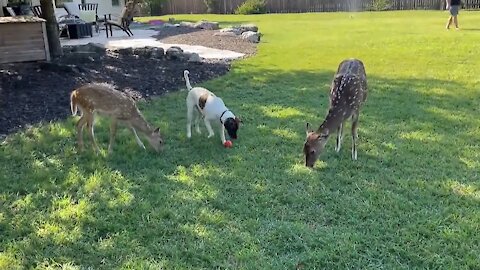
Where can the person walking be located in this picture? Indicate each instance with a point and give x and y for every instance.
(453, 6)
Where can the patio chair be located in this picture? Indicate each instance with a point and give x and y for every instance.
(10, 11)
(88, 13)
(37, 11)
(122, 22)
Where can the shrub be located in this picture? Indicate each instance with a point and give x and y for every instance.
(251, 7)
(380, 5)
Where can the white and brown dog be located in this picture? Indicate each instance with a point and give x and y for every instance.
(202, 102)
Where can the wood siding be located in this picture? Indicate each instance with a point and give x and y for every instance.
(21, 42)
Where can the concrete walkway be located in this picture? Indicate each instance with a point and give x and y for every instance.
(144, 38)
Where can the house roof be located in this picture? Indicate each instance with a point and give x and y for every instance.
(20, 19)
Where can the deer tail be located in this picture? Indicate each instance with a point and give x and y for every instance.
(187, 81)
(73, 103)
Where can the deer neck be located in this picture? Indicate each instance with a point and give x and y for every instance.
(140, 124)
(332, 121)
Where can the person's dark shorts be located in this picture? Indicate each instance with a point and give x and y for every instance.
(454, 10)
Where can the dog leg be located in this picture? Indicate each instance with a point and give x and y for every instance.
(189, 121)
(209, 127)
(197, 123)
(222, 134)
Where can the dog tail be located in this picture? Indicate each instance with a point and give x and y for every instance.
(187, 81)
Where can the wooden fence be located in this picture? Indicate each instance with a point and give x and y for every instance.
(295, 6)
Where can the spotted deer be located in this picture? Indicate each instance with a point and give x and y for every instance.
(105, 100)
(347, 94)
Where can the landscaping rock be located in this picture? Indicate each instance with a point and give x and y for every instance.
(234, 30)
(174, 52)
(125, 51)
(89, 48)
(187, 24)
(251, 36)
(248, 27)
(143, 52)
(207, 25)
(194, 58)
(157, 53)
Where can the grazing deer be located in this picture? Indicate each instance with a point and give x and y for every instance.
(105, 100)
(347, 94)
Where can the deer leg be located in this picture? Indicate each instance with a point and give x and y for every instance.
(139, 142)
(90, 123)
(339, 137)
(113, 131)
(354, 136)
(80, 124)
(189, 121)
(209, 127)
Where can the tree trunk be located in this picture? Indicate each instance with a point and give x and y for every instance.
(48, 13)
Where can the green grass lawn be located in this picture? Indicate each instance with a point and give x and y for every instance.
(411, 201)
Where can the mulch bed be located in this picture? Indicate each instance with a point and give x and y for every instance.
(40, 92)
(207, 38)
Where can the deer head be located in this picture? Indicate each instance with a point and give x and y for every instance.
(314, 145)
(155, 140)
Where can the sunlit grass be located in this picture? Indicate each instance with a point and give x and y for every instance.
(410, 201)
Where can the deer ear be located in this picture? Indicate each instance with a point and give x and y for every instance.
(157, 130)
(307, 128)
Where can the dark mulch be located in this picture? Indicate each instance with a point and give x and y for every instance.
(207, 38)
(36, 92)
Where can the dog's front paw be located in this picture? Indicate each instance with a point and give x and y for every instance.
(210, 135)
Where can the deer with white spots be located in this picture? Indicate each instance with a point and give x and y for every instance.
(104, 99)
(347, 95)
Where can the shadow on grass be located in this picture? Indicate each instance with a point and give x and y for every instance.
(199, 205)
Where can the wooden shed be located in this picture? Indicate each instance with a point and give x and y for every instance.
(23, 39)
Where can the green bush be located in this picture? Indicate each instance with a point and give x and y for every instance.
(380, 5)
(251, 7)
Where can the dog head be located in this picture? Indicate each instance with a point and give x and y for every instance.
(232, 125)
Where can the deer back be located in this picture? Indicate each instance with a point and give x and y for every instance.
(349, 88)
(104, 99)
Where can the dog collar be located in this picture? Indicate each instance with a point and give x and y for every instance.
(222, 116)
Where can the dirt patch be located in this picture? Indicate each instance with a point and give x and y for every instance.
(39, 92)
(207, 38)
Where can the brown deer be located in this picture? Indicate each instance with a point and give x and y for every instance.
(347, 94)
(105, 100)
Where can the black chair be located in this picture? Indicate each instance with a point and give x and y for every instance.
(37, 11)
(91, 7)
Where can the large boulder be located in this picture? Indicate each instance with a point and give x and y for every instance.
(251, 36)
(207, 25)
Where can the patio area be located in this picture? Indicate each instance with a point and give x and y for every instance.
(145, 37)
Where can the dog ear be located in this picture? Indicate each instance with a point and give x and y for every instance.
(238, 120)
